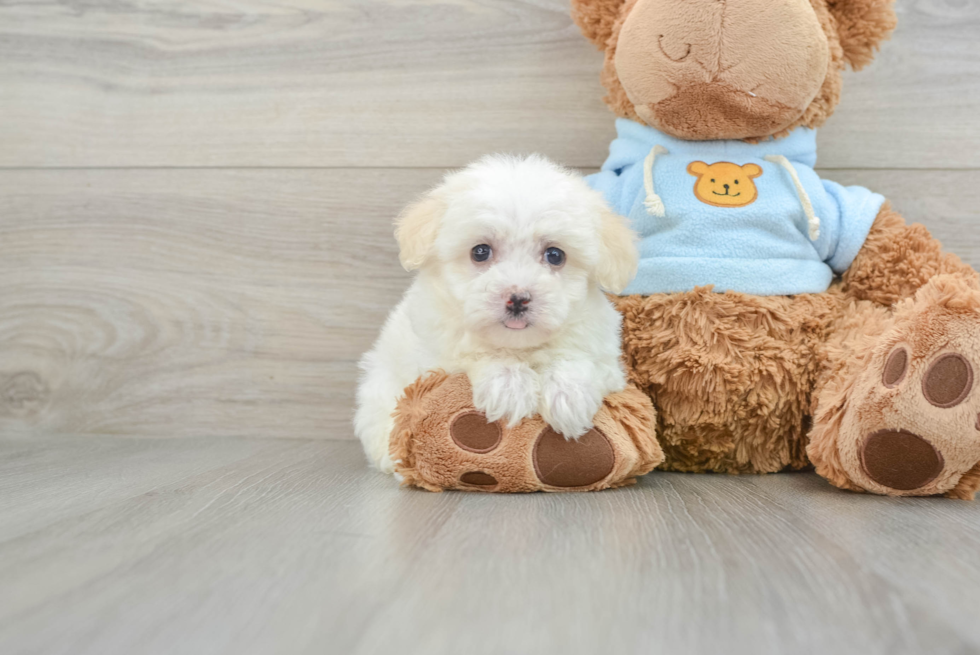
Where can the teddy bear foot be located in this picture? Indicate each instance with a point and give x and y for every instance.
(441, 441)
(909, 424)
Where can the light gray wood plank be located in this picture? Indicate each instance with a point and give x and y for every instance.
(309, 83)
(915, 106)
(298, 548)
(186, 303)
(236, 303)
(43, 481)
(403, 83)
(915, 544)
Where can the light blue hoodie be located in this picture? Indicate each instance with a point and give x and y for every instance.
(770, 245)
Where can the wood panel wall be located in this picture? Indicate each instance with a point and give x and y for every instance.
(195, 197)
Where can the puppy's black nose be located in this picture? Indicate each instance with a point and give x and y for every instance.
(726, 187)
(518, 303)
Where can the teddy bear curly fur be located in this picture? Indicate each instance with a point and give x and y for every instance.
(872, 381)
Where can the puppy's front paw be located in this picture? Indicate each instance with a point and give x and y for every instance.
(506, 391)
(385, 464)
(569, 401)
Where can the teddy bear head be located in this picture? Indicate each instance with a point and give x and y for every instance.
(731, 69)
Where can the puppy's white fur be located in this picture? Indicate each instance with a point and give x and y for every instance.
(566, 359)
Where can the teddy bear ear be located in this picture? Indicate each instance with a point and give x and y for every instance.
(752, 170)
(596, 19)
(862, 25)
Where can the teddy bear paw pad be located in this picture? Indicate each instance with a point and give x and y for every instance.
(896, 366)
(473, 433)
(565, 463)
(478, 479)
(900, 460)
(948, 380)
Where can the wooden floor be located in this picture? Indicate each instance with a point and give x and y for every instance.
(195, 248)
(240, 546)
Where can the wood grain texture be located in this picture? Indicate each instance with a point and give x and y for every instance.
(180, 302)
(255, 546)
(403, 83)
(188, 303)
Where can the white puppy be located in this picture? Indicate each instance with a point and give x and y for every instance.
(512, 255)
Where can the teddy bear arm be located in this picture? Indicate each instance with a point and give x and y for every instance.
(897, 259)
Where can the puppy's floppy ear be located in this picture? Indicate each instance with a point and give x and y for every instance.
(416, 229)
(596, 19)
(618, 256)
(862, 25)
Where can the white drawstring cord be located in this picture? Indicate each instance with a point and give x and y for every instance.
(653, 203)
(813, 222)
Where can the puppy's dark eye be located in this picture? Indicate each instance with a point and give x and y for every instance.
(736, 181)
(712, 179)
(481, 253)
(554, 256)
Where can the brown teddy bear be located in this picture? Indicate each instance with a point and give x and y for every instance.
(778, 320)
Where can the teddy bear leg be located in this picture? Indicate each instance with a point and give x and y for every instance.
(896, 411)
(441, 441)
(731, 374)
